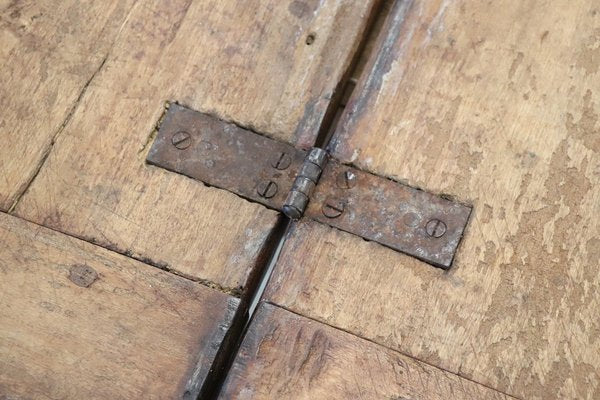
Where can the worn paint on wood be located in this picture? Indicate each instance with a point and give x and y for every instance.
(81, 322)
(50, 50)
(496, 104)
(287, 356)
(248, 62)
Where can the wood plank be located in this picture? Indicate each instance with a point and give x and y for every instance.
(49, 52)
(123, 331)
(494, 103)
(244, 62)
(287, 356)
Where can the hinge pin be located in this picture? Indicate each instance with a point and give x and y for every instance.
(305, 182)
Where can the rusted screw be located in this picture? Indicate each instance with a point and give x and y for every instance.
(181, 140)
(82, 275)
(282, 161)
(332, 208)
(267, 189)
(435, 228)
(346, 179)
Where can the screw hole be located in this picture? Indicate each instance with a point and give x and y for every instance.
(310, 39)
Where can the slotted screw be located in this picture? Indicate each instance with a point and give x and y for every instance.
(282, 161)
(181, 140)
(435, 228)
(346, 179)
(267, 189)
(332, 208)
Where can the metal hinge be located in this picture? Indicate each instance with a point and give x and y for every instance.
(309, 184)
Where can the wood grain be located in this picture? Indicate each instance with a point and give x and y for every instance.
(49, 52)
(247, 62)
(496, 104)
(123, 331)
(287, 356)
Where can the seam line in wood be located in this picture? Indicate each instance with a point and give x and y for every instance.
(235, 292)
(25, 187)
(23, 190)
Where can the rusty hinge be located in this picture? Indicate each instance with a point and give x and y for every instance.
(309, 184)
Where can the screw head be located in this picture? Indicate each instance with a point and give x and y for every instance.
(332, 208)
(435, 228)
(82, 275)
(346, 179)
(281, 161)
(267, 189)
(181, 140)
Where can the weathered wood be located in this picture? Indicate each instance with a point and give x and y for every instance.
(81, 322)
(494, 103)
(243, 61)
(49, 51)
(287, 356)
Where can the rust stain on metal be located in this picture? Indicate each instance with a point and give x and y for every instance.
(412, 221)
(82, 275)
(226, 156)
(267, 171)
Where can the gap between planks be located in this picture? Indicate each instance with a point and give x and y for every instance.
(334, 110)
(251, 297)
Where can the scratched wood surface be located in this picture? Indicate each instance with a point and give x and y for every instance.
(49, 51)
(247, 62)
(287, 356)
(495, 104)
(130, 331)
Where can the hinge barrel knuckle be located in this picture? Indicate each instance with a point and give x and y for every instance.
(295, 204)
(304, 183)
